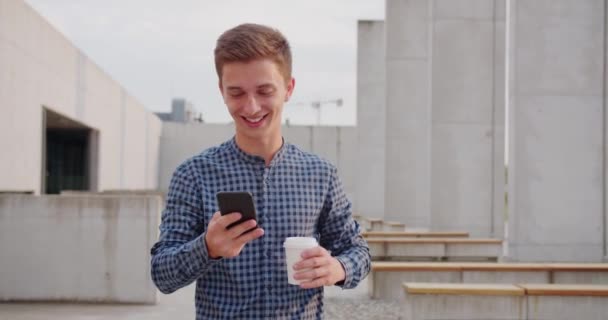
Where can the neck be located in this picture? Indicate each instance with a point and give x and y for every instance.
(265, 148)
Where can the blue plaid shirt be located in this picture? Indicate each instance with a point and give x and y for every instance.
(298, 194)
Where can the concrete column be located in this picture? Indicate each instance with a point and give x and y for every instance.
(445, 115)
(371, 119)
(408, 112)
(467, 159)
(605, 144)
(499, 214)
(557, 130)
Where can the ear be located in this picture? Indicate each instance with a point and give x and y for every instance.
(290, 86)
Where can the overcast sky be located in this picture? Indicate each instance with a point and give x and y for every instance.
(163, 49)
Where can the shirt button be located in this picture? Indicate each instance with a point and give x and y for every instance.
(267, 254)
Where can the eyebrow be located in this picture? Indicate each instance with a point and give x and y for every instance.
(266, 86)
(262, 86)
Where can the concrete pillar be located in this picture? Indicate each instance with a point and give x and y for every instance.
(605, 142)
(445, 115)
(371, 119)
(408, 112)
(467, 102)
(557, 130)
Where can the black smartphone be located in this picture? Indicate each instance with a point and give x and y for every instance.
(237, 202)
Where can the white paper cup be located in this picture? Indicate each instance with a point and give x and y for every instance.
(293, 250)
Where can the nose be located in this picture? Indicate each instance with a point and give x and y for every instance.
(252, 106)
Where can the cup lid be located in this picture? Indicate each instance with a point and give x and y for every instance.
(300, 242)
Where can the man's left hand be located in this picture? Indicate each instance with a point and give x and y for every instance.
(323, 269)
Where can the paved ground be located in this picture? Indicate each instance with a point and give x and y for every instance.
(356, 305)
(340, 304)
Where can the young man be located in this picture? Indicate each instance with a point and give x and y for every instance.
(243, 275)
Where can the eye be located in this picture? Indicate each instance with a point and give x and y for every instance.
(266, 92)
(235, 94)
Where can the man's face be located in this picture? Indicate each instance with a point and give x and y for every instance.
(255, 92)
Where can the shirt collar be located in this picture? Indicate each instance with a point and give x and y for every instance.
(257, 159)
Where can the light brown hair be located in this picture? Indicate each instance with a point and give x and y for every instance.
(248, 42)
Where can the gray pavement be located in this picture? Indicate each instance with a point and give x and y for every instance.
(339, 304)
(356, 305)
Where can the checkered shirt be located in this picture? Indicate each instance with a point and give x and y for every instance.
(297, 195)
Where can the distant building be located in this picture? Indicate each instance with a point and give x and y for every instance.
(181, 111)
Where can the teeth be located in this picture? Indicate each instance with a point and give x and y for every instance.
(254, 120)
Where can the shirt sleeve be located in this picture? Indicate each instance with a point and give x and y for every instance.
(180, 255)
(341, 235)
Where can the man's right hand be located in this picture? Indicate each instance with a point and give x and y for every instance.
(227, 243)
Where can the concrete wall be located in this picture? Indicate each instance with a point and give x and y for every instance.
(42, 69)
(182, 141)
(78, 248)
(445, 114)
(347, 162)
(371, 119)
(557, 130)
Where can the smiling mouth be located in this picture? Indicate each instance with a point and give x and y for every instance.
(254, 121)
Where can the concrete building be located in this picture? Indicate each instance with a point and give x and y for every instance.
(444, 96)
(51, 94)
(181, 111)
(445, 114)
(558, 118)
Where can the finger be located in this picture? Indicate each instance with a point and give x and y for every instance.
(240, 228)
(311, 263)
(313, 252)
(249, 236)
(228, 219)
(311, 274)
(319, 282)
